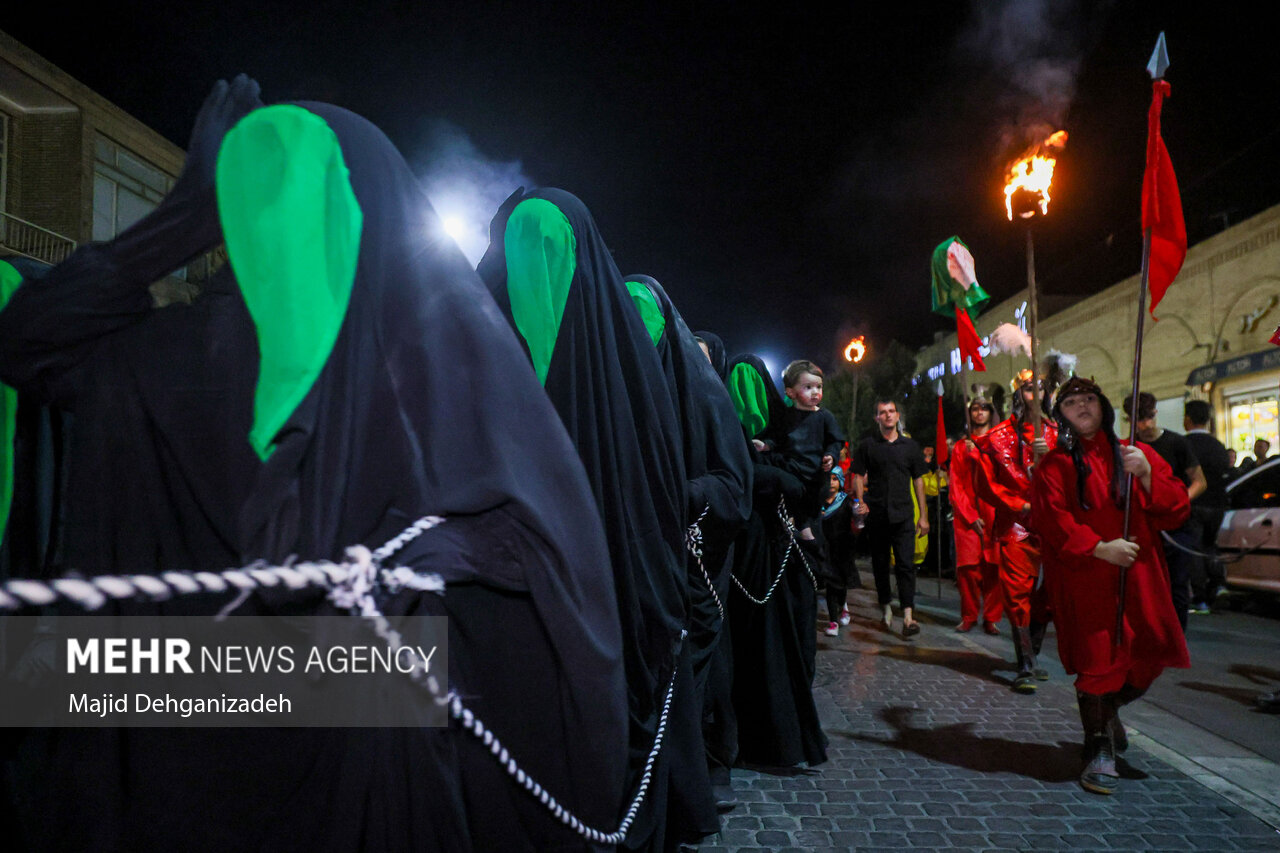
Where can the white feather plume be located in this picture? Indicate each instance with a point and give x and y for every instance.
(1008, 338)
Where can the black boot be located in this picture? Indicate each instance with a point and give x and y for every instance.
(1025, 680)
(1038, 630)
(1097, 714)
(1123, 696)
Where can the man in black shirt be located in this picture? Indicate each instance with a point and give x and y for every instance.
(888, 466)
(1174, 449)
(1208, 508)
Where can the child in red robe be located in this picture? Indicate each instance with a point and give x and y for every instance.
(1078, 510)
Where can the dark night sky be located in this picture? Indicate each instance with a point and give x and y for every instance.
(785, 175)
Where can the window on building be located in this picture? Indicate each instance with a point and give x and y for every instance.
(1250, 417)
(125, 188)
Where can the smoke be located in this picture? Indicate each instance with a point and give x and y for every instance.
(465, 186)
(1034, 48)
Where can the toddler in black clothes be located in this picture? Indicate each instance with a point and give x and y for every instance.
(805, 442)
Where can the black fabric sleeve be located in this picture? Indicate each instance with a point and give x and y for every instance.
(917, 464)
(833, 436)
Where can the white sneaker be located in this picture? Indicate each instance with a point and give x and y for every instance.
(844, 616)
(832, 630)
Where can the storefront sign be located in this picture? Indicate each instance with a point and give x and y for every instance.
(1253, 363)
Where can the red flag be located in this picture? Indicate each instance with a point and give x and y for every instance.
(1275, 338)
(940, 441)
(967, 336)
(1161, 205)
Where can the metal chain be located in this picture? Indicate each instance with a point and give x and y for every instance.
(693, 541)
(792, 545)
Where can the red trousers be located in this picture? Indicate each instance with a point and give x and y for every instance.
(1019, 571)
(979, 591)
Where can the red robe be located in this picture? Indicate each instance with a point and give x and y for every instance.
(1085, 589)
(977, 557)
(1003, 479)
(971, 549)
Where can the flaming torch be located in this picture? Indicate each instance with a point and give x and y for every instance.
(854, 353)
(1026, 196)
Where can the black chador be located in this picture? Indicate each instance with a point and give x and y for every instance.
(774, 644)
(348, 451)
(423, 405)
(717, 464)
(34, 443)
(718, 467)
(715, 352)
(551, 274)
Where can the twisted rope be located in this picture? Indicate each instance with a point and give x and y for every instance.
(693, 541)
(785, 518)
(351, 584)
(356, 595)
(93, 593)
(792, 545)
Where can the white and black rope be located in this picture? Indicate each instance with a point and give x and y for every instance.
(693, 541)
(785, 518)
(351, 586)
(356, 595)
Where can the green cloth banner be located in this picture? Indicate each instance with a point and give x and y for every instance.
(955, 284)
(542, 256)
(292, 226)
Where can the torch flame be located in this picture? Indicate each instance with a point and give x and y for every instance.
(856, 349)
(1034, 172)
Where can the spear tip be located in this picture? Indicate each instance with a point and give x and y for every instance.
(1159, 60)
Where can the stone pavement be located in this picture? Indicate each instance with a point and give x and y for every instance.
(930, 749)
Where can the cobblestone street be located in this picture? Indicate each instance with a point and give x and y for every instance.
(930, 749)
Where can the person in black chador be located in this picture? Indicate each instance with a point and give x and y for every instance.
(350, 459)
(34, 439)
(712, 344)
(374, 436)
(718, 468)
(157, 469)
(774, 643)
(553, 278)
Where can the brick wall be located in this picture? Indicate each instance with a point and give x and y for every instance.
(46, 172)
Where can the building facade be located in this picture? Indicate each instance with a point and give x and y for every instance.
(1210, 340)
(73, 166)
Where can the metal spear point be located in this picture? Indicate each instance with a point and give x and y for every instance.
(1159, 60)
(1156, 68)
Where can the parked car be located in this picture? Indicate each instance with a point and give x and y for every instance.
(1249, 539)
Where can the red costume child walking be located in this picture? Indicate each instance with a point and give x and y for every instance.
(1003, 479)
(1078, 509)
(977, 557)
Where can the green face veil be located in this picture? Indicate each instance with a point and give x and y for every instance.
(541, 256)
(10, 278)
(650, 310)
(292, 228)
(746, 389)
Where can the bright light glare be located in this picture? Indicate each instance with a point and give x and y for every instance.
(455, 227)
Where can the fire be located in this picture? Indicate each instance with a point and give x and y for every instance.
(1033, 172)
(856, 349)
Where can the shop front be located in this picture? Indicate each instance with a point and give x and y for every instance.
(1245, 393)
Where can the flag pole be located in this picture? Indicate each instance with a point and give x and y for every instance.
(1159, 63)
